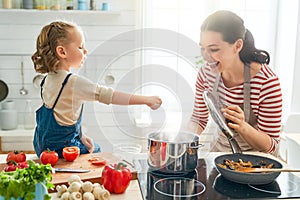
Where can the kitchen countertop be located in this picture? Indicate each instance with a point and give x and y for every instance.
(133, 191)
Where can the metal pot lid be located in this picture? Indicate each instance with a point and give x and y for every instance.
(3, 90)
(216, 114)
(174, 137)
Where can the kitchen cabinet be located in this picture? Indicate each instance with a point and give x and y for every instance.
(18, 139)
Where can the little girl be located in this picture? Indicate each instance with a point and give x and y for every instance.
(60, 46)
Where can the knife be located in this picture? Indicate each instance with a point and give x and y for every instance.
(69, 170)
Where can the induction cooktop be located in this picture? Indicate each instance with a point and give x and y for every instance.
(287, 185)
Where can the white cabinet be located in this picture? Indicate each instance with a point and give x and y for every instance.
(18, 139)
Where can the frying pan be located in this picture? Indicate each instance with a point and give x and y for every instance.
(3, 90)
(248, 178)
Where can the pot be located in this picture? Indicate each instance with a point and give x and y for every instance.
(173, 152)
(3, 90)
(248, 178)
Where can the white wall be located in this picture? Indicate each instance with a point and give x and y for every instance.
(19, 30)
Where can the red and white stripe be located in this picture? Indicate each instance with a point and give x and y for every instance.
(266, 100)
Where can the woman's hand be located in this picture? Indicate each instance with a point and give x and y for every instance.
(235, 115)
(154, 102)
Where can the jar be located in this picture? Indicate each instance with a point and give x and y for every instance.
(8, 4)
(41, 5)
(28, 4)
(82, 5)
(69, 5)
(8, 116)
(29, 116)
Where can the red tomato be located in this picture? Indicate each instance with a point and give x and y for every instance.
(71, 153)
(49, 156)
(12, 166)
(98, 162)
(16, 156)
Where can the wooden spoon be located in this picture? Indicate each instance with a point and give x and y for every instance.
(249, 170)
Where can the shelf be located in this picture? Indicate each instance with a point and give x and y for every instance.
(77, 12)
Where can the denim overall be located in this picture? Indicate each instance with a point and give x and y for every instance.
(50, 135)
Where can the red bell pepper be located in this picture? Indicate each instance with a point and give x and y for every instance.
(116, 177)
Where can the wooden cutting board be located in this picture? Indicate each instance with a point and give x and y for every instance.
(82, 162)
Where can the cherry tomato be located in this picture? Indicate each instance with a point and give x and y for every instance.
(12, 165)
(16, 156)
(71, 153)
(48, 156)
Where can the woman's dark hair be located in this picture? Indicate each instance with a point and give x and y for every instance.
(232, 28)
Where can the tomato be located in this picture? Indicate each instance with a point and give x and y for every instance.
(12, 165)
(95, 160)
(16, 156)
(48, 156)
(116, 177)
(98, 162)
(71, 153)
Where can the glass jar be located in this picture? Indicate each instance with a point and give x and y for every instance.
(7, 4)
(8, 116)
(56, 5)
(27, 4)
(69, 5)
(41, 5)
(29, 116)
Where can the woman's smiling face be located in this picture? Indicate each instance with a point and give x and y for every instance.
(215, 51)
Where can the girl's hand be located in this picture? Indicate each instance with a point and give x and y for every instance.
(154, 102)
(88, 143)
(235, 115)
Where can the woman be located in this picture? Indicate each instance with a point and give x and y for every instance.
(238, 74)
(60, 47)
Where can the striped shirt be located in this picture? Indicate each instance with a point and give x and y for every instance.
(265, 100)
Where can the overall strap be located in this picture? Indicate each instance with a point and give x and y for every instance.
(247, 92)
(41, 84)
(61, 89)
(215, 91)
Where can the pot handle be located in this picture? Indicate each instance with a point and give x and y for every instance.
(196, 147)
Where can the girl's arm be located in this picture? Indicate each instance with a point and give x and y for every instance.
(121, 98)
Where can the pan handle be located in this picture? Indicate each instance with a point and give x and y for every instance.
(235, 148)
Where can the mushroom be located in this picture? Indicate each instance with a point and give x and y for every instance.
(87, 186)
(75, 196)
(74, 178)
(74, 187)
(101, 193)
(88, 196)
(65, 196)
(60, 190)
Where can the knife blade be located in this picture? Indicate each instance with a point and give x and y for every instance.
(70, 170)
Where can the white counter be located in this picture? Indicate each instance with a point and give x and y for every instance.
(17, 139)
(293, 149)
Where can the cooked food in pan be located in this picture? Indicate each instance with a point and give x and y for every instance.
(236, 166)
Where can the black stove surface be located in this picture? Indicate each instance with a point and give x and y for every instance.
(287, 185)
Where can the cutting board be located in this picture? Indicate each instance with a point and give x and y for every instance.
(82, 162)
